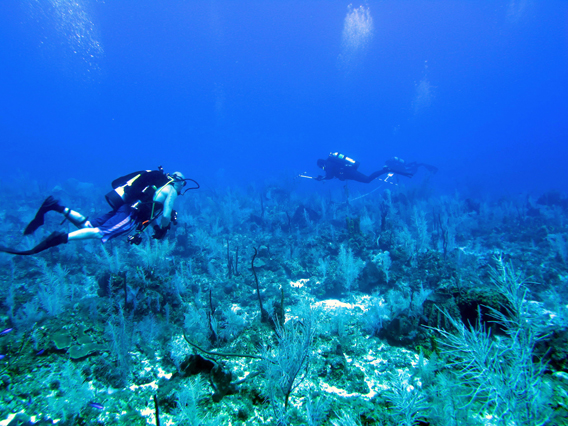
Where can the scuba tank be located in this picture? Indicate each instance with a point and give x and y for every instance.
(343, 160)
(136, 188)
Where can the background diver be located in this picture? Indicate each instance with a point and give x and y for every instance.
(344, 168)
(137, 200)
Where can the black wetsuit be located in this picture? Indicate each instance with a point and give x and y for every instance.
(347, 172)
(395, 165)
(344, 170)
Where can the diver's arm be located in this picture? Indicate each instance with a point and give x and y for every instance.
(330, 172)
(168, 206)
(167, 196)
(399, 167)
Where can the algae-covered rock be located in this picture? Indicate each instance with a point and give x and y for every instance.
(62, 339)
(355, 381)
(84, 339)
(341, 374)
(81, 351)
(259, 264)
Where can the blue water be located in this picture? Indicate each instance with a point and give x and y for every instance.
(369, 287)
(252, 91)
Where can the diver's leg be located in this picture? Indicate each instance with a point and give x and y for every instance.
(51, 204)
(358, 176)
(76, 218)
(376, 174)
(85, 234)
(58, 238)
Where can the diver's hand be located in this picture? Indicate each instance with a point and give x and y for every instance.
(387, 169)
(402, 173)
(160, 232)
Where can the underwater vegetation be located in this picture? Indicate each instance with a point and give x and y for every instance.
(272, 306)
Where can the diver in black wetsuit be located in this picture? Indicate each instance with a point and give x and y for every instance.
(344, 168)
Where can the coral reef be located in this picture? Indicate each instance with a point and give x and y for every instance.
(392, 308)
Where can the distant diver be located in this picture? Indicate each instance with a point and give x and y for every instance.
(344, 168)
(137, 200)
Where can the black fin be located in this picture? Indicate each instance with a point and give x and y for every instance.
(54, 239)
(48, 205)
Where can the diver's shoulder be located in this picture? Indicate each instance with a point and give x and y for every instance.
(166, 192)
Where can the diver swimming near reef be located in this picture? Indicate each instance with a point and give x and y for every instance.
(344, 168)
(137, 200)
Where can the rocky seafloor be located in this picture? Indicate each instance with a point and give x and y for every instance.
(398, 307)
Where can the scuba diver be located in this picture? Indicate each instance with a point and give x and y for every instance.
(137, 200)
(344, 168)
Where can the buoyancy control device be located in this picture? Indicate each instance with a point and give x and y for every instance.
(343, 160)
(136, 187)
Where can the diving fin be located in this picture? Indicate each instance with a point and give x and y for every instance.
(54, 239)
(48, 205)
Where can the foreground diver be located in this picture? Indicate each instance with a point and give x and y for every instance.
(137, 200)
(344, 168)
